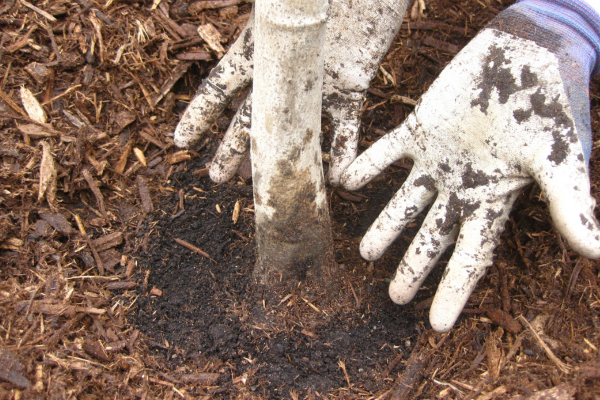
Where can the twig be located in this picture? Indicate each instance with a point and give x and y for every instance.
(193, 248)
(415, 366)
(561, 365)
(13, 105)
(39, 11)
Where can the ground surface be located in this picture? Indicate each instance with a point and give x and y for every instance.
(120, 305)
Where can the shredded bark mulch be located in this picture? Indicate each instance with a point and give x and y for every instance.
(126, 273)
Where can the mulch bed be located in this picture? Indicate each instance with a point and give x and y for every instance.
(126, 273)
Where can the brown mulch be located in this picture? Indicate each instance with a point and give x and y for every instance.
(93, 195)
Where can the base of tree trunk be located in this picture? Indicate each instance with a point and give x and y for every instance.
(300, 251)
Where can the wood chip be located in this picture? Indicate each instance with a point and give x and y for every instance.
(308, 333)
(144, 192)
(11, 370)
(131, 264)
(47, 185)
(212, 37)
(201, 173)
(36, 131)
(205, 378)
(122, 120)
(564, 391)
(96, 190)
(156, 292)
(32, 106)
(108, 241)
(236, 212)
(139, 154)
(39, 72)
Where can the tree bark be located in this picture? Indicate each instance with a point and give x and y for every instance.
(293, 227)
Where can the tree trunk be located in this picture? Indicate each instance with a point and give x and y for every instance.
(293, 228)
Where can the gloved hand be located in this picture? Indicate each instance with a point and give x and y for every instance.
(358, 35)
(511, 108)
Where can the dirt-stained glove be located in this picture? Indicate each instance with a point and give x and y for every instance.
(511, 108)
(358, 35)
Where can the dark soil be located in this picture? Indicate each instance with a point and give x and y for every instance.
(211, 310)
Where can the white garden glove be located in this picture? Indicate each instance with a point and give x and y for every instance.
(358, 35)
(510, 109)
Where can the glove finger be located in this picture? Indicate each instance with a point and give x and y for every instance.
(235, 145)
(479, 236)
(423, 253)
(344, 109)
(233, 73)
(566, 186)
(389, 148)
(415, 194)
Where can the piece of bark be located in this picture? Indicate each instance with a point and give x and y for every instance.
(95, 349)
(212, 37)
(122, 163)
(110, 258)
(122, 120)
(564, 391)
(139, 154)
(204, 378)
(415, 368)
(348, 196)
(58, 334)
(441, 45)
(201, 173)
(132, 339)
(116, 346)
(502, 318)
(130, 268)
(39, 72)
(174, 75)
(179, 156)
(147, 136)
(32, 106)
(144, 192)
(42, 307)
(125, 285)
(58, 222)
(108, 241)
(86, 237)
(11, 370)
(36, 131)
(194, 56)
(12, 104)
(47, 185)
(436, 25)
(96, 190)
